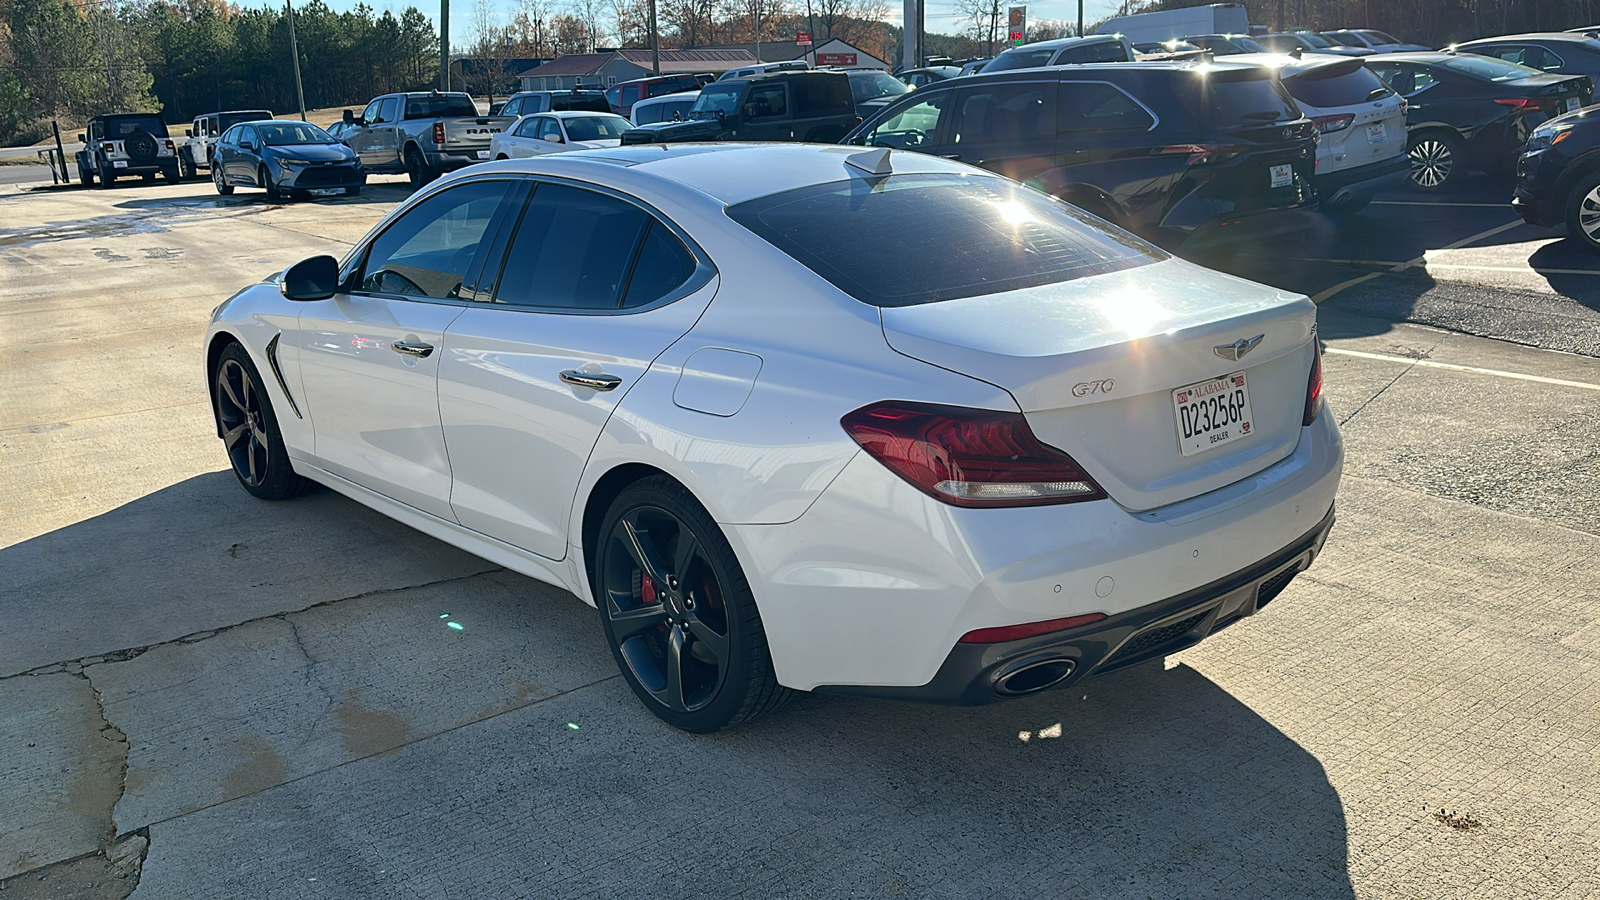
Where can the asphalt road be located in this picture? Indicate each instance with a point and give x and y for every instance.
(203, 695)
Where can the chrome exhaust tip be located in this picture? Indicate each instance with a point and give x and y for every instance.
(1034, 675)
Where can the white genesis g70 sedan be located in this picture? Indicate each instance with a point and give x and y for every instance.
(801, 417)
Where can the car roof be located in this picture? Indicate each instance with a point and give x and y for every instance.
(1066, 42)
(668, 98)
(1563, 36)
(577, 113)
(1418, 56)
(1291, 66)
(728, 173)
(1225, 63)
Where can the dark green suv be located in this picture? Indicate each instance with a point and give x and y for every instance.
(811, 106)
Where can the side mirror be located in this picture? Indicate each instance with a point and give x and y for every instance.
(316, 278)
(82, 139)
(348, 118)
(246, 145)
(188, 132)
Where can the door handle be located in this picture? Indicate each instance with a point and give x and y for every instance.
(600, 382)
(418, 350)
(949, 156)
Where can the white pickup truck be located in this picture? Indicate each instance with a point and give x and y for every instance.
(422, 134)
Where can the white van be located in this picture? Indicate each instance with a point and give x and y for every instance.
(1173, 24)
(763, 68)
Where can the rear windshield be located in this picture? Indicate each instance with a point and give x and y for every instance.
(117, 129)
(1248, 97)
(1336, 86)
(663, 112)
(1489, 69)
(442, 106)
(866, 86)
(906, 240)
(1019, 59)
(594, 101)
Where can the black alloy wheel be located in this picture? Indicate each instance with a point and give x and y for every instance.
(223, 187)
(678, 612)
(417, 168)
(250, 429)
(186, 167)
(1435, 159)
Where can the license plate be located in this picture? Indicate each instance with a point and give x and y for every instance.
(483, 154)
(119, 164)
(1282, 176)
(1376, 134)
(326, 192)
(1572, 103)
(1212, 413)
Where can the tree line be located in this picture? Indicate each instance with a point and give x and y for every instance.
(72, 59)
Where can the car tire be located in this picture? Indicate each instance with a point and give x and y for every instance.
(250, 429)
(173, 174)
(85, 175)
(354, 191)
(692, 649)
(273, 194)
(149, 177)
(106, 179)
(223, 187)
(186, 168)
(417, 168)
(1437, 159)
(500, 157)
(1583, 212)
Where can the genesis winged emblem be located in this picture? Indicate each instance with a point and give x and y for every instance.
(1237, 349)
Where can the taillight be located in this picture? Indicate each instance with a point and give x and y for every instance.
(1314, 384)
(438, 132)
(1330, 124)
(1405, 106)
(1518, 103)
(109, 147)
(1200, 154)
(169, 145)
(1027, 629)
(969, 457)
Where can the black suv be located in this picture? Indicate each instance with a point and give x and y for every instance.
(1178, 152)
(119, 144)
(1558, 176)
(814, 106)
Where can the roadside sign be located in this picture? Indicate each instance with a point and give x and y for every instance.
(836, 59)
(1017, 25)
(803, 39)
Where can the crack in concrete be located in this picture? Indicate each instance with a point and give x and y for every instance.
(76, 666)
(312, 681)
(1416, 354)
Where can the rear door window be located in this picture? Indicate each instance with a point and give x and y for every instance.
(1339, 85)
(1093, 106)
(1004, 112)
(820, 96)
(974, 235)
(1248, 97)
(766, 101)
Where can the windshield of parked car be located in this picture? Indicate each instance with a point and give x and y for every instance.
(1315, 40)
(937, 237)
(440, 106)
(1020, 58)
(596, 128)
(869, 85)
(1343, 40)
(228, 120)
(278, 134)
(717, 98)
(1488, 69)
(1379, 37)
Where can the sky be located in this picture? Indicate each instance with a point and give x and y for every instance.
(939, 16)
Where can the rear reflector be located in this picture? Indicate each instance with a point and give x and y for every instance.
(969, 457)
(1027, 629)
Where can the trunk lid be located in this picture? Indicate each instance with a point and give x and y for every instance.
(1093, 364)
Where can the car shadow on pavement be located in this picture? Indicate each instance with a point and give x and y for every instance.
(1149, 782)
(382, 193)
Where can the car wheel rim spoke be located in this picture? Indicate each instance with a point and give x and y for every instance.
(1430, 163)
(668, 620)
(231, 437)
(243, 423)
(1589, 215)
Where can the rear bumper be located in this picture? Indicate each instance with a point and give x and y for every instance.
(450, 160)
(1362, 180)
(975, 674)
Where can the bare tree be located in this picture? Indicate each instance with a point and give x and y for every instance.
(983, 19)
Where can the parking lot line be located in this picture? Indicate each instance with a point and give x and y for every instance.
(1430, 364)
(1326, 293)
(1438, 203)
(1378, 263)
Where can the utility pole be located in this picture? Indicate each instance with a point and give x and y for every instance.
(294, 51)
(756, 7)
(444, 45)
(655, 42)
(911, 35)
(811, 29)
(1080, 18)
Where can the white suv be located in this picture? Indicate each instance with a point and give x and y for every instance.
(1361, 125)
(202, 136)
(121, 144)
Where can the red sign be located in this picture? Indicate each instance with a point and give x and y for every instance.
(803, 39)
(836, 59)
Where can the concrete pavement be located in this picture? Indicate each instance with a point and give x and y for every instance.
(203, 695)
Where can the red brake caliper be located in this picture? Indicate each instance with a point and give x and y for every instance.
(647, 590)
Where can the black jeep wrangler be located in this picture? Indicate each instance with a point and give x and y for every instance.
(121, 144)
(811, 106)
